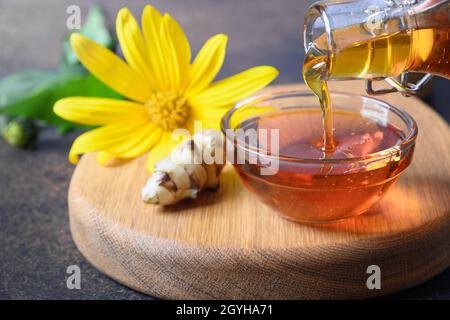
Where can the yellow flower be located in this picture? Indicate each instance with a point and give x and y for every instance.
(165, 91)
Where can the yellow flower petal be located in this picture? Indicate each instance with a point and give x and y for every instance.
(181, 46)
(151, 26)
(110, 69)
(140, 143)
(103, 157)
(177, 52)
(161, 150)
(235, 88)
(207, 64)
(209, 118)
(100, 111)
(170, 54)
(101, 139)
(133, 45)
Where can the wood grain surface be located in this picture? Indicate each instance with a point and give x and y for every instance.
(228, 245)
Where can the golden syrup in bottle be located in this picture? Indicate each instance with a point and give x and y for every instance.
(421, 50)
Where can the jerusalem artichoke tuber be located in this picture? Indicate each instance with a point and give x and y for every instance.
(193, 165)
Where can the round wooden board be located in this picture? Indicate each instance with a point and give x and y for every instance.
(228, 245)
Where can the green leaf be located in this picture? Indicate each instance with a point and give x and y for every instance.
(14, 86)
(95, 29)
(32, 94)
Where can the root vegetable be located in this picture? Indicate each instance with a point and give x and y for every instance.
(194, 165)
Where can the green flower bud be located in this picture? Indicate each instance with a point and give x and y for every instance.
(20, 133)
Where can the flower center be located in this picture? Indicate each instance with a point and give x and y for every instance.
(168, 109)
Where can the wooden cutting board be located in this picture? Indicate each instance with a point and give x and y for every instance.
(228, 245)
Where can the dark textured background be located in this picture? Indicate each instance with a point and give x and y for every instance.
(35, 242)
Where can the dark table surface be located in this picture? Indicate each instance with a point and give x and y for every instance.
(35, 243)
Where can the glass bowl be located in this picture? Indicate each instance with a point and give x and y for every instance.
(274, 143)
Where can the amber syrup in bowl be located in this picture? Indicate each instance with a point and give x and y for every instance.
(276, 144)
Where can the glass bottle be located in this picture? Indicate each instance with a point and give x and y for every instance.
(380, 39)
